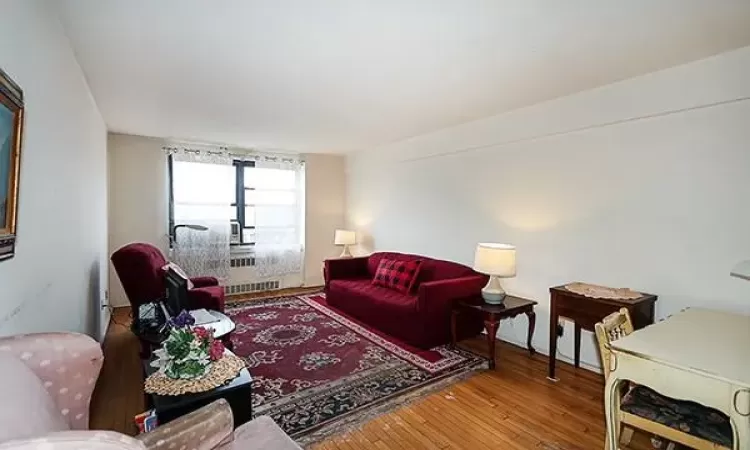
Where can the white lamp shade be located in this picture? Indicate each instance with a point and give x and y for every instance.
(742, 270)
(344, 237)
(495, 259)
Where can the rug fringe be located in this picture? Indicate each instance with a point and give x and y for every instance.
(356, 420)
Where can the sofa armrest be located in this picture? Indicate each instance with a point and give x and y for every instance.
(344, 268)
(75, 440)
(203, 429)
(67, 363)
(438, 296)
(210, 297)
(199, 282)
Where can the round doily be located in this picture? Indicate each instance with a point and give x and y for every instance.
(594, 291)
(221, 371)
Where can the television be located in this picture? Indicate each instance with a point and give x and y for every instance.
(177, 291)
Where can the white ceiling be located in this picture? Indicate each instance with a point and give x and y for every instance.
(341, 75)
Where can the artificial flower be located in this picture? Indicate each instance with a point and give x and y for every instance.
(184, 319)
(216, 350)
(202, 333)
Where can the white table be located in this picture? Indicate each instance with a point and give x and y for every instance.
(697, 354)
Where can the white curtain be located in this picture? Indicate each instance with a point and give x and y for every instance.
(278, 197)
(203, 190)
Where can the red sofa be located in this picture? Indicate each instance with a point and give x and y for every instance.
(420, 318)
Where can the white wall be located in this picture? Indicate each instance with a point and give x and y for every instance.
(138, 198)
(138, 193)
(58, 277)
(644, 183)
(325, 207)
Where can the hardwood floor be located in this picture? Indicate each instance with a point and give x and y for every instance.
(513, 407)
(239, 298)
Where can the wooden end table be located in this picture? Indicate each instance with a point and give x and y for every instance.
(584, 312)
(492, 315)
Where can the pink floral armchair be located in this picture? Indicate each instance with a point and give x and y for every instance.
(47, 383)
(65, 365)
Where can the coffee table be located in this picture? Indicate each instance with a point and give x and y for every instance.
(151, 340)
(238, 393)
(222, 327)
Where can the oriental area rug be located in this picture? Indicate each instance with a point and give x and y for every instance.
(317, 371)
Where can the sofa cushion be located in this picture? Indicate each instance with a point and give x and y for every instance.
(26, 409)
(430, 270)
(377, 299)
(437, 269)
(398, 275)
(373, 261)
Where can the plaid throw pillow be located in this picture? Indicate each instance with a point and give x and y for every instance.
(397, 275)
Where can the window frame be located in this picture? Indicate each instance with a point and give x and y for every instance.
(239, 199)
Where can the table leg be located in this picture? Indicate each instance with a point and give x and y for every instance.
(490, 325)
(454, 315)
(531, 315)
(552, 343)
(612, 412)
(577, 344)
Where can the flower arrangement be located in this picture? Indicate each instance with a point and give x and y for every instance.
(188, 351)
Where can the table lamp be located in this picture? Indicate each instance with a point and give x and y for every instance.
(345, 238)
(741, 270)
(497, 261)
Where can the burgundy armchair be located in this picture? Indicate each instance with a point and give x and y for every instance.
(420, 318)
(139, 267)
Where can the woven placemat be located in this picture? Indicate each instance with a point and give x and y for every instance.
(595, 291)
(220, 372)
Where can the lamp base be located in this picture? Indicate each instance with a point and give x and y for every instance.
(493, 292)
(346, 253)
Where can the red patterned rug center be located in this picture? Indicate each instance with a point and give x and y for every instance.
(313, 366)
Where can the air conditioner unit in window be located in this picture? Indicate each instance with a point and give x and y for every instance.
(234, 238)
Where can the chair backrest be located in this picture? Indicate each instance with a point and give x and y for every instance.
(139, 267)
(612, 328)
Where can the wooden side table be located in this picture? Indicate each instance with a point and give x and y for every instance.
(492, 315)
(585, 312)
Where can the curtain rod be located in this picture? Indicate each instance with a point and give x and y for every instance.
(225, 151)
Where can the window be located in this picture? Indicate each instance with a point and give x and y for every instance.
(199, 192)
(262, 198)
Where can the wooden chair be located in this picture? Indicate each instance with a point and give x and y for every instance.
(687, 423)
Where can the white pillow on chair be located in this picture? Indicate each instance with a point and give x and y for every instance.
(26, 409)
(180, 272)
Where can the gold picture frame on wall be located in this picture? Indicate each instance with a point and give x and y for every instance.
(11, 138)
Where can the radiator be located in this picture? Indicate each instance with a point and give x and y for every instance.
(244, 261)
(243, 288)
